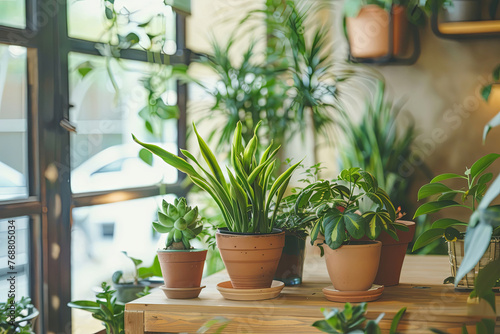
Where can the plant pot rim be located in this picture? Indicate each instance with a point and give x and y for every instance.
(360, 244)
(224, 230)
(141, 283)
(194, 250)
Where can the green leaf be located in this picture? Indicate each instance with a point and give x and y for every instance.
(447, 222)
(377, 221)
(447, 176)
(480, 166)
(132, 38)
(86, 305)
(449, 280)
(161, 228)
(486, 91)
(109, 13)
(171, 159)
(485, 178)
(85, 68)
(435, 206)
(432, 189)
(487, 278)
(146, 156)
(428, 237)
(396, 320)
(334, 231)
(352, 7)
(494, 122)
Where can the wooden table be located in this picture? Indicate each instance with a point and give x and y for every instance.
(429, 304)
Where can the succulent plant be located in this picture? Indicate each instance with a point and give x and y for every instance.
(180, 222)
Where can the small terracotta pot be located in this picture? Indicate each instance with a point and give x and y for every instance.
(393, 254)
(182, 268)
(291, 264)
(368, 33)
(353, 267)
(251, 259)
(400, 30)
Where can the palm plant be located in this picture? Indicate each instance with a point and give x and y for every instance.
(378, 145)
(249, 202)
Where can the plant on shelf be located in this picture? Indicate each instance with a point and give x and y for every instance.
(483, 223)
(470, 195)
(17, 317)
(181, 264)
(351, 207)
(127, 291)
(249, 203)
(106, 309)
(352, 320)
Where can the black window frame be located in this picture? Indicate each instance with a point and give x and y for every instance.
(51, 201)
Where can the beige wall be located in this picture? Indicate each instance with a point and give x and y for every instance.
(441, 89)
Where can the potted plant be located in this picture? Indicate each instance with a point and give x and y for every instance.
(127, 291)
(17, 317)
(475, 184)
(106, 309)
(452, 10)
(371, 24)
(250, 245)
(181, 264)
(341, 214)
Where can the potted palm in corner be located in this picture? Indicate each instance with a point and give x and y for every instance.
(250, 245)
(340, 215)
(181, 265)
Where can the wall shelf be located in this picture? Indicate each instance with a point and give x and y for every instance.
(466, 29)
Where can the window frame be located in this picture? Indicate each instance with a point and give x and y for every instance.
(50, 201)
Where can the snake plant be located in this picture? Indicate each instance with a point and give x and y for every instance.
(249, 201)
(180, 222)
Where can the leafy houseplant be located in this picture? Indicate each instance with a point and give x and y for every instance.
(105, 309)
(17, 317)
(248, 202)
(181, 265)
(352, 319)
(296, 230)
(470, 196)
(483, 222)
(339, 210)
(127, 291)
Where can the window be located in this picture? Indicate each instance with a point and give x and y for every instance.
(62, 187)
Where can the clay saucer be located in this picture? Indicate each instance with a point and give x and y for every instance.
(369, 295)
(181, 293)
(227, 291)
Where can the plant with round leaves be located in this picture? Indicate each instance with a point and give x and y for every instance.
(350, 207)
(180, 221)
(249, 201)
(470, 195)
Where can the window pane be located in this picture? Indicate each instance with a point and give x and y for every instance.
(20, 234)
(87, 20)
(103, 154)
(13, 123)
(98, 236)
(13, 13)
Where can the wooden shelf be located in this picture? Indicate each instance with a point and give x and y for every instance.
(470, 27)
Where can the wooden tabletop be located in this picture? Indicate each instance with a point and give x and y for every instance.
(429, 304)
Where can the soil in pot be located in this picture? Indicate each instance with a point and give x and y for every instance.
(251, 260)
(353, 267)
(368, 33)
(127, 292)
(393, 255)
(291, 263)
(182, 268)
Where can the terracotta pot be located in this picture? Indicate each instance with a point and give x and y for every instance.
(400, 30)
(368, 33)
(251, 259)
(291, 263)
(353, 267)
(393, 255)
(182, 268)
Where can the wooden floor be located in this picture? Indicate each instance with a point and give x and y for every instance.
(429, 303)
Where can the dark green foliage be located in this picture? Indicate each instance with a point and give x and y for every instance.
(21, 310)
